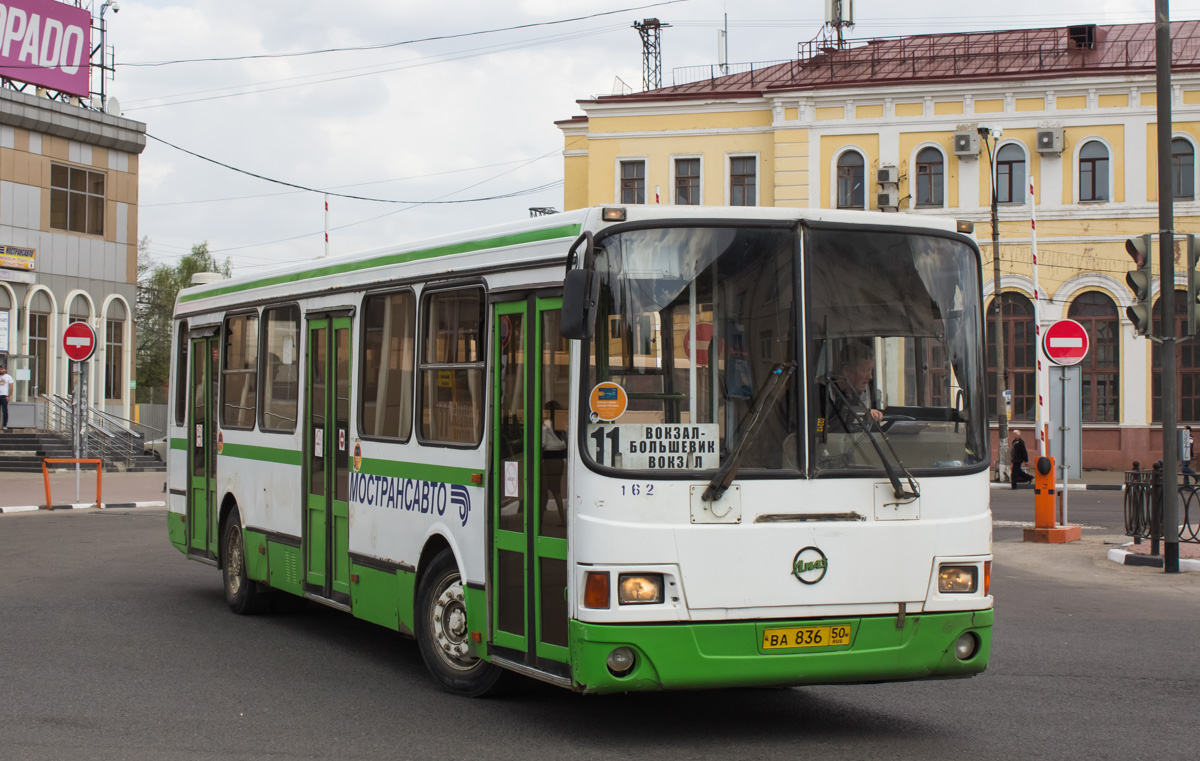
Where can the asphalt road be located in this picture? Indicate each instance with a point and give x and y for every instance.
(113, 646)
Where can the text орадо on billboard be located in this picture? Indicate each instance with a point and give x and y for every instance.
(46, 43)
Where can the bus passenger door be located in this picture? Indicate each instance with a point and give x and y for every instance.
(202, 448)
(529, 487)
(326, 446)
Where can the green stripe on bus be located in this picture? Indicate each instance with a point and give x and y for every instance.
(420, 472)
(262, 454)
(566, 231)
(179, 444)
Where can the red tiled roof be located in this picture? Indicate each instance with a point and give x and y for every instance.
(978, 56)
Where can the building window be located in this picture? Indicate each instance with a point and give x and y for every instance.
(114, 354)
(39, 345)
(1019, 356)
(239, 371)
(633, 182)
(389, 351)
(1097, 313)
(687, 182)
(930, 174)
(1183, 169)
(1187, 368)
(1093, 172)
(452, 365)
(76, 199)
(281, 376)
(1010, 174)
(851, 172)
(741, 181)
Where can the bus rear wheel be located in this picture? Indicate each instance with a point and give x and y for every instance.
(241, 593)
(442, 632)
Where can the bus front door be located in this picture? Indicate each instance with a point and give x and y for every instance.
(202, 449)
(326, 473)
(529, 498)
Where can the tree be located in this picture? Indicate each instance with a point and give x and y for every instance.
(158, 287)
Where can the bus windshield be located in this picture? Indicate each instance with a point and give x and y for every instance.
(895, 346)
(691, 323)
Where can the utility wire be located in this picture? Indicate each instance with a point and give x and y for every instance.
(347, 195)
(385, 45)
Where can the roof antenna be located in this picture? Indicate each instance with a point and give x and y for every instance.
(839, 14)
(650, 29)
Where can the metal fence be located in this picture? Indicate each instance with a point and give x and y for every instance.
(1143, 505)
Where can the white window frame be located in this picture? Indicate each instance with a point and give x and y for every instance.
(912, 178)
(1024, 184)
(729, 157)
(617, 177)
(671, 175)
(833, 176)
(1195, 166)
(1076, 169)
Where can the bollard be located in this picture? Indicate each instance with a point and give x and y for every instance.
(1044, 503)
(1043, 493)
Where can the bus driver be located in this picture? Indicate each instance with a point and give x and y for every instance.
(853, 382)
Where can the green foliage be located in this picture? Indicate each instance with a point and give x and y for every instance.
(158, 287)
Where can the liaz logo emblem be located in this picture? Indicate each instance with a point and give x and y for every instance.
(810, 565)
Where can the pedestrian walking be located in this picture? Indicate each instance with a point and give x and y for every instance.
(1020, 456)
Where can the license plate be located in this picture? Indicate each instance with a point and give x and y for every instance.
(806, 636)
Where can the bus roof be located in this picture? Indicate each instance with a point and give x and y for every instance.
(471, 249)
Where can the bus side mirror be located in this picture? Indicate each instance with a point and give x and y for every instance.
(581, 291)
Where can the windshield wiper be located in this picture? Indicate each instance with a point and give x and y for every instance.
(865, 421)
(772, 389)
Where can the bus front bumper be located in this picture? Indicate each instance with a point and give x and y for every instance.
(705, 655)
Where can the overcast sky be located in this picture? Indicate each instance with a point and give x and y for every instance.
(470, 117)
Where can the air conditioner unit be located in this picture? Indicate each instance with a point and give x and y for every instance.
(966, 143)
(888, 200)
(1050, 140)
(887, 175)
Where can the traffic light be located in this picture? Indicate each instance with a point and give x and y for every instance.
(1193, 288)
(1140, 314)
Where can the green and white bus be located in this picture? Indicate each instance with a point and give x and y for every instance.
(614, 449)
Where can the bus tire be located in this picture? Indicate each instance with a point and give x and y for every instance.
(442, 632)
(243, 595)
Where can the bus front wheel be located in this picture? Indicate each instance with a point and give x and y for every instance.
(442, 632)
(241, 593)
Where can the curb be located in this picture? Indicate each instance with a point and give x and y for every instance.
(1069, 487)
(1124, 557)
(81, 506)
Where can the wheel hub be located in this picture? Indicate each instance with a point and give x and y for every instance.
(449, 622)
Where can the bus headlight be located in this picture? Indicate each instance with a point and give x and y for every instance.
(957, 579)
(966, 646)
(640, 588)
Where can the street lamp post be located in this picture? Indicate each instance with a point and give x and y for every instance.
(1002, 462)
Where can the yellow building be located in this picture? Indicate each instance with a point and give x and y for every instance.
(893, 124)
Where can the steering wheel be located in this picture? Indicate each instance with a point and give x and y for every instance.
(886, 423)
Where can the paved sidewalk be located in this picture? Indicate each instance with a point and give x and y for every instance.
(1092, 479)
(21, 492)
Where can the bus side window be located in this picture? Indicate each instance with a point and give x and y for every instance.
(181, 368)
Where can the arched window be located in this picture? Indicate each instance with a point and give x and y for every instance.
(1010, 174)
(1093, 172)
(1183, 169)
(114, 356)
(1097, 313)
(1019, 358)
(1187, 369)
(79, 312)
(851, 173)
(930, 173)
(38, 331)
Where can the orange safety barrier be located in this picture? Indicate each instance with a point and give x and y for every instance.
(99, 475)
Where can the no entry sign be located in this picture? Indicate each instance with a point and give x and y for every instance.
(79, 341)
(1065, 343)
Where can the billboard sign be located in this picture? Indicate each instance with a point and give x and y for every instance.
(17, 258)
(46, 43)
